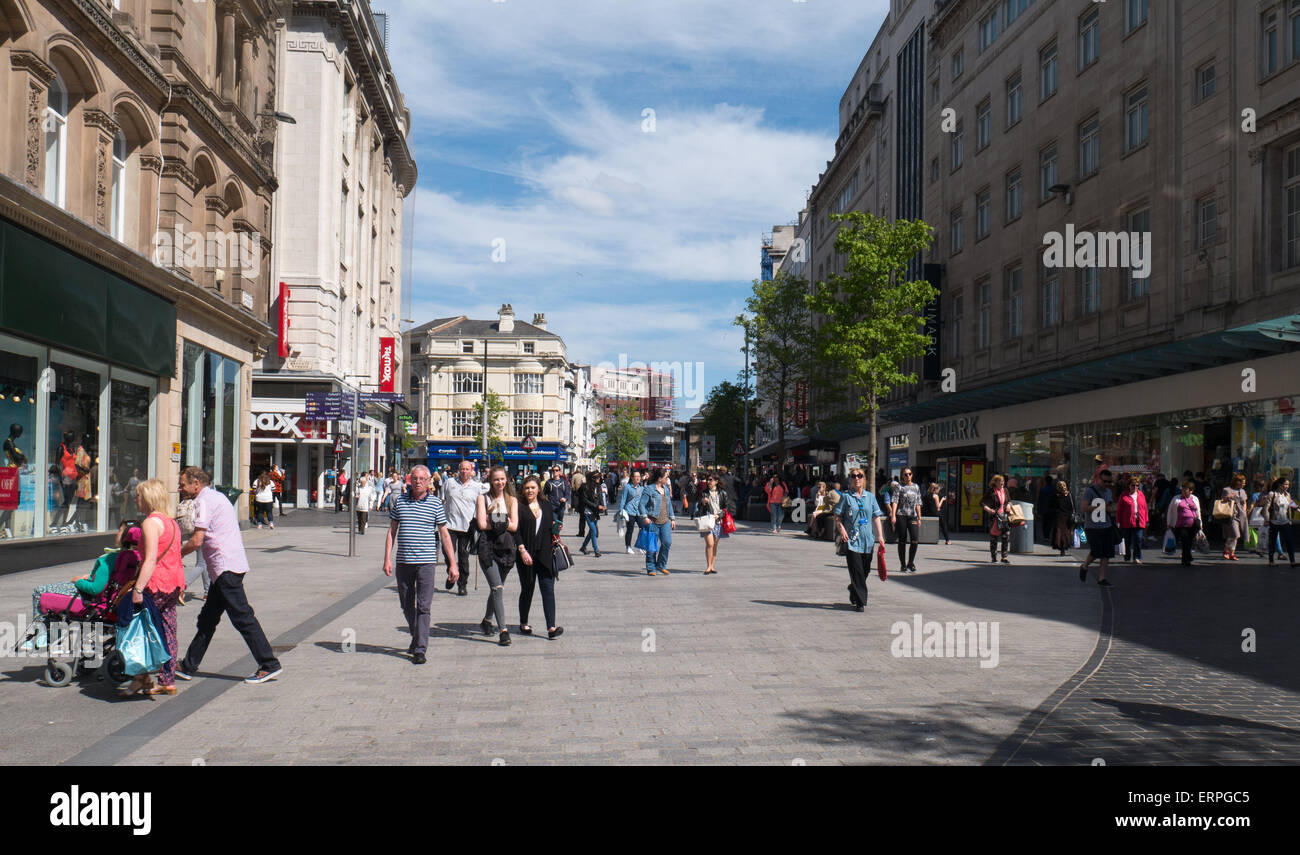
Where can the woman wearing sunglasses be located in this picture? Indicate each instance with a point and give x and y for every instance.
(857, 521)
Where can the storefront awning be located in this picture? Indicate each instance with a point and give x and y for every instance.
(824, 439)
(1267, 338)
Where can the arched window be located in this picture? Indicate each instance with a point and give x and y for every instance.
(117, 217)
(56, 142)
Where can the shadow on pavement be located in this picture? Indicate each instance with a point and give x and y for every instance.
(337, 647)
(790, 604)
(1159, 714)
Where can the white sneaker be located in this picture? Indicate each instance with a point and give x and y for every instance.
(259, 525)
(631, 551)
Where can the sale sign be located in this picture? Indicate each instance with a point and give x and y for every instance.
(387, 363)
(8, 488)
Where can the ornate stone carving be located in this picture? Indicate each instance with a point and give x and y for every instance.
(35, 99)
(152, 163)
(216, 203)
(92, 118)
(101, 185)
(1257, 155)
(25, 60)
(181, 172)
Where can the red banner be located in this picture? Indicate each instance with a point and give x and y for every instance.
(8, 488)
(387, 363)
(283, 350)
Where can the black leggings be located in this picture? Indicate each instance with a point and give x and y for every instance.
(1185, 535)
(528, 577)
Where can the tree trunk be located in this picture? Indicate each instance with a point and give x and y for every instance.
(871, 441)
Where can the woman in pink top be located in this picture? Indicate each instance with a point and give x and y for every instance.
(775, 502)
(1131, 514)
(162, 575)
(1184, 517)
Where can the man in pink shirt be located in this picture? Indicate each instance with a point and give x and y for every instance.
(216, 532)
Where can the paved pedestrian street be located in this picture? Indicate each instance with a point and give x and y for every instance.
(763, 663)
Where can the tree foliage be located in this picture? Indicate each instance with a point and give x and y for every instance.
(621, 437)
(723, 417)
(496, 446)
(873, 316)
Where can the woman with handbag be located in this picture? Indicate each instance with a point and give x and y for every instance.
(162, 576)
(995, 503)
(1063, 533)
(536, 557)
(710, 505)
(1234, 526)
(776, 497)
(1184, 519)
(1280, 504)
(857, 517)
(591, 505)
(1131, 514)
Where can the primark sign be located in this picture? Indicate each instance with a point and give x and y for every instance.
(949, 430)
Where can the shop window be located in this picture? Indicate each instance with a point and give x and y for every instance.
(72, 449)
(18, 373)
(129, 447)
(210, 414)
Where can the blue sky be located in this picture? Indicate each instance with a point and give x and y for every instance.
(528, 127)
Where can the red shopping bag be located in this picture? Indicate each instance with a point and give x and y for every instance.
(880, 562)
(728, 524)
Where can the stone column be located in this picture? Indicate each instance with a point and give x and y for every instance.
(246, 104)
(106, 129)
(29, 85)
(226, 50)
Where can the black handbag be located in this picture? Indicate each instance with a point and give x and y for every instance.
(563, 557)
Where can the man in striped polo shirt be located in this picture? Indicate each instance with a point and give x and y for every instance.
(418, 523)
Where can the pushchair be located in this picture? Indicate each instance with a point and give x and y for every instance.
(95, 620)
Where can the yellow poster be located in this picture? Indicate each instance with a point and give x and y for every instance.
(972, 490)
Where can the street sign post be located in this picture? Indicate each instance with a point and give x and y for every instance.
(708, 448)
(738, 450)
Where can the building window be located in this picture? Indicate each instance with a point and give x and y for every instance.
(465, 382)
(934, 170)
(1139, 225)
(1013, 99)
(527, 423)
(467, 347)
(954, 230)
(983, 124)
(958, 64)
(1089, 38)
(1089, 147)
(1206, 221)
(1047, 172)
(954, 333)
(463, 423)
(56, 142)
(1135, 119)
(1293, 206)
(117, 214)
(983, 218)
(1090, 289)
(210, 430)
(1135, 14)
(958, 145)
(1013, 280)
(528, 384)
(988, 30)
(1293, 31)
(1012, 9)
(1268, 43)
(982, 322)
(530, 347)
(846, 197)
(1205, 82)
(1048, 71)
(1051, 296)
(1014, 204)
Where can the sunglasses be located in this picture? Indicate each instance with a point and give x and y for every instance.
(856, 476)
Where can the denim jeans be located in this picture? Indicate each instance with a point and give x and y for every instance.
(591, 532)
(778, 515)
(659, 560)
(1132, 543)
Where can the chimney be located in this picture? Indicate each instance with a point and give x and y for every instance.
(506, 318)
(539, 320)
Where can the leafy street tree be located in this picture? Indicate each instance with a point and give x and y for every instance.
(873, 316)
(621, 437)
(496, 430)
(779, 325)
(723, 416)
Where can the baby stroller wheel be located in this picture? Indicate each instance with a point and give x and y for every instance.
(115, 667)
(58, 674)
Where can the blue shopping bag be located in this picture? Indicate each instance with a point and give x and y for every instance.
(141, 646)
(648, 540)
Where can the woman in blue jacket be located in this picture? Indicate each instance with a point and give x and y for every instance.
(629, 504)
(655, 511)
(857, 522)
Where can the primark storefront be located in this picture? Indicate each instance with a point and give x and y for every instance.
(1212, 421)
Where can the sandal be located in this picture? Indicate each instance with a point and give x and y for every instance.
(163, 690)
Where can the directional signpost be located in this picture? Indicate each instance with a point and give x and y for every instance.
(530, 445)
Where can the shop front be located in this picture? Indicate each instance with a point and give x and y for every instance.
(303, 449)
(84, 354)
(516, 459)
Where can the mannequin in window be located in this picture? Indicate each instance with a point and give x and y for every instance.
(85, 482)
(13, 457)
(66, 460)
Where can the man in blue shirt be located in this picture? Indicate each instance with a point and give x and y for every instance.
(418, 524)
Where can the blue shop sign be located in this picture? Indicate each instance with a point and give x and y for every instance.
(544, 451)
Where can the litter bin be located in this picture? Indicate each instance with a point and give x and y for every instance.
(1022, 536)
(231, 493)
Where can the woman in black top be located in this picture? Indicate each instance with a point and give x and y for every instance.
(1063, 533)
(712, 500)
(536, 557)
(591, 505)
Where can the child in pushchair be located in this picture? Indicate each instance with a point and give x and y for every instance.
(90, 602)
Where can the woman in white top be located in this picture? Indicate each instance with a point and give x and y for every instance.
(263, 495)
(498, 520)
(365, 501)
(1278, 514)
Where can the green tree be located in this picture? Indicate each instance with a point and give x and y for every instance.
(778, 322)
(496, 446)
(873, 316)
(723, 416)
(621, 436)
